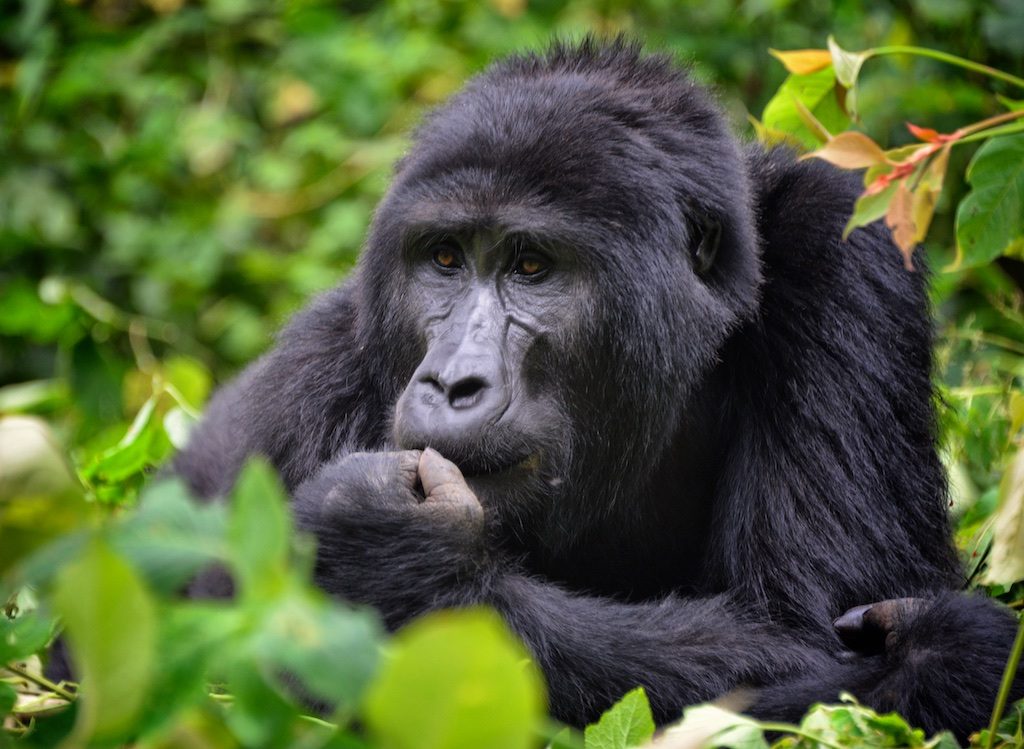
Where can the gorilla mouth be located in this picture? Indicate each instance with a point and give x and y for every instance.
(488, 469)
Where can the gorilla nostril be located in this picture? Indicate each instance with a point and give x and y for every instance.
(433, 382)
(465, 393)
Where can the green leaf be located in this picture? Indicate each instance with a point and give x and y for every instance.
(7, 699)
(259, 529)
(817, 92)
(1006, 562)
(990, 220)
(23, 636)
(456, 680)
(626, 724)
(145, 444)
(111, 626)
(847, 64)
(171, 536)
(870, 208)
(333, 650)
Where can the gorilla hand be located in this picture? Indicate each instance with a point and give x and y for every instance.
(876, 627)
(375, 512)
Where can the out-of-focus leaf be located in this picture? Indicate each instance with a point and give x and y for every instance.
(709, 725)
(990, 220)
(847, 64)
(111, 625)
(1006, 562)
(40, 497)
(628, 723)
(259, 528)
(23, 636)
(145, 444)
(455, 680)
(926, 193)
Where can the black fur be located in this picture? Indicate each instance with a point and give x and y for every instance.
(732, 456)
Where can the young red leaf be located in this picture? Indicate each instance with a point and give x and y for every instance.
(900, 220)
(803, 61)
(926, 134)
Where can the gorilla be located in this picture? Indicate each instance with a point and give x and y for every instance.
(605, 369)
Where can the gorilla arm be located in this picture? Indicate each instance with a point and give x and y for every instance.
(385, 544)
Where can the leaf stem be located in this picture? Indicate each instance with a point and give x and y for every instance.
(39, 680)
(1004, 688)
(902, 49)
(796, 731)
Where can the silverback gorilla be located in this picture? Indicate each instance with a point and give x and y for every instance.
(695, 426)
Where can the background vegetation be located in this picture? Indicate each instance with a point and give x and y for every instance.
(177, 177)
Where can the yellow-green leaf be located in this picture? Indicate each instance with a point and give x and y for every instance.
(1006, 564)
(847, 64)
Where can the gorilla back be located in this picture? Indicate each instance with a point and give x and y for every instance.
(609, 372)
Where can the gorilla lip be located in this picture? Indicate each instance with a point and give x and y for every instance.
(528, 464)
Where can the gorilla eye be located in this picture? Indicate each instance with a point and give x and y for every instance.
(709, 233)
(530, 265)
(446, 257)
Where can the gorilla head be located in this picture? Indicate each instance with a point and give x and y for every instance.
(552, 206)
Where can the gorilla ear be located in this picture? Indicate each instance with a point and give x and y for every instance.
(705, 245)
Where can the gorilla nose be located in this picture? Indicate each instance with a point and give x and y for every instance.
(462, 394)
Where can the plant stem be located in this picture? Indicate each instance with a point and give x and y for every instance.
(1013, 127)
(796, 731)
(902, 49)
(40, 680)
(1004, 689)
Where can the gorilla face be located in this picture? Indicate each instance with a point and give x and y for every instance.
(523, 235)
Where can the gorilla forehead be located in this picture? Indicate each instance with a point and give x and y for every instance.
(572, 138)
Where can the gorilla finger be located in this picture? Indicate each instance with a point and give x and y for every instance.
(442, 480)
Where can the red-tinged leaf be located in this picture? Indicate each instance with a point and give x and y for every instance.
(803, 61)
(869, 208)
(850, 150)
(927, 192)
(900, 220)
(926, 134)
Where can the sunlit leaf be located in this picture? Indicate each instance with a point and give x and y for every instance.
(628, 723)
(817, 92)
(1006, 562)
(456, 680)
(259, 528)
(803, 61)
(709, 725)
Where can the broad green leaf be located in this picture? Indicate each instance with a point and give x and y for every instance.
(990, 220)
(40, 497)
(111, 626)
(1006, 562)
(628, 723)
(456, 680)
(817, 92)
(259, 529)
(143, 445)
